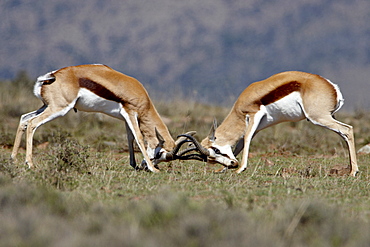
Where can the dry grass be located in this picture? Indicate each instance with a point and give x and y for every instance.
(83, 192)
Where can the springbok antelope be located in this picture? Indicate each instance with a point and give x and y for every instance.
(288, 96)
(98, 88)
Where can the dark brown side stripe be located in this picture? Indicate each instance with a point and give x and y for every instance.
(98, 89)
(280, 92)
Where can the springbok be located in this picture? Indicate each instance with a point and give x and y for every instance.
(98, 88)
(287, 96)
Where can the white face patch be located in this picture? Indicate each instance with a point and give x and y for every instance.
(222, 155)
(152, 155)
(150, 151)
(225, 150)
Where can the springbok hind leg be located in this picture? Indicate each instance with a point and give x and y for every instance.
(346, 132)
(23, 123)
(17, 142)
(47, 115)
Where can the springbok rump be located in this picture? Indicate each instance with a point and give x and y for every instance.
(288, 96)
(98, 88)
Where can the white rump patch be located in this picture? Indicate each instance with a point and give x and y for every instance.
(39, 82)
(46, 77)
(340, 99)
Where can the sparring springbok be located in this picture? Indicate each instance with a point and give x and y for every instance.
(98, 88)
(288, 96)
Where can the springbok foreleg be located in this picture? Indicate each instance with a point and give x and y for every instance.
(252, 121)
(132, 121)
(238, 147)
(131, 139)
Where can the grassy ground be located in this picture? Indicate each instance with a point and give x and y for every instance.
(84, 193)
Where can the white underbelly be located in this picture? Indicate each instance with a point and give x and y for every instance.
(286, 109)
(90, 102)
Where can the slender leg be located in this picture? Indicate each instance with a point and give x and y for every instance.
(131, 138)
(346, 132)
(17, 142)
(253, 120)
(47, 115)
(134, 126)
(239, 147)
(22, 128)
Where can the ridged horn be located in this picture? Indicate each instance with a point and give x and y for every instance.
(199, 146)
(179, 139)
(179, 142)
(172, 154)
(159, 137)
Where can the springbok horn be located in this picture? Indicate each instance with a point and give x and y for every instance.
(193, 157)
(179, 139)
(211, 134)
(199, 146)
(188, 150)
(159, 137)
(157, 150)
(172, 155)
(179, 142)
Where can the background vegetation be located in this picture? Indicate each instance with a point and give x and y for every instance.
(205, 50)
(84, 193)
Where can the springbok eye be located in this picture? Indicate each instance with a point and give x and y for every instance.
(217, 151)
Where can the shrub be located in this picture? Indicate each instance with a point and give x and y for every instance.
(64, 162)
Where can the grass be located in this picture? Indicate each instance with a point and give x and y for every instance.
(84, 193)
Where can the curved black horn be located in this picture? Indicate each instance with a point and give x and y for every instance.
(199, 146)
(159, 138)
(188, 150)
(180, 138)
(193, 157)
(172, 154)
(179, 142)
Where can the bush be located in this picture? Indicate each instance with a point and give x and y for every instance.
(63, 163)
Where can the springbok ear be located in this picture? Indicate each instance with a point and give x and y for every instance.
(160, 138)
(211, 134)
(158, 148)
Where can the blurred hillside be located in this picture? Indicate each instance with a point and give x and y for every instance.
(206, 50)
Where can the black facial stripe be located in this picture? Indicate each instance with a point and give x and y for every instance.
(218, 152)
